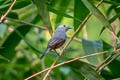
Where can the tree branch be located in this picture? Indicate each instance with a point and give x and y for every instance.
(105, 61)
(109, 61)
(10, 8)
(65, 62)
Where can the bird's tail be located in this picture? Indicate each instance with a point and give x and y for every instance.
(44, 53)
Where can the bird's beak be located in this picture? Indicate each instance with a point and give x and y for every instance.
(70, 27)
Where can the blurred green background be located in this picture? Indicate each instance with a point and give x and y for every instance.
(22, 39)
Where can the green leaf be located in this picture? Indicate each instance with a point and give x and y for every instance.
(110, 21)
(114, 68)
(13, 15)
(114, 17)
(36, 20)
(43, 12)
(4, 6)
(62, 8)
(91, 47)
(30, 45)
(3, 58)
(86, 70)
(106, 46)
(53, 3)
(80, 11)
(3, 28)
(101, 31)
(51, 9)
(4, 2)
(118, 34)
(112, 2)
(107, 74)
(97, 14)
(12, 41)
(1, 1)
(110, 10)
(19, 4)
(78, 74)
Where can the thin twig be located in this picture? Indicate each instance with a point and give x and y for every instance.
(102, 67)
(105, 61)
(32, 25)
(78, 29)
(114, 34)
(108, 60)
(65, 62)
(76, 39)
(23, 22)
(10, 8)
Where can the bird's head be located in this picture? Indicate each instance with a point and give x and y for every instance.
(63, 27)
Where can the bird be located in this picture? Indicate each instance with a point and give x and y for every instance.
(57, 40)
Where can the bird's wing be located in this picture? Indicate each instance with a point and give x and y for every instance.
(54, 41)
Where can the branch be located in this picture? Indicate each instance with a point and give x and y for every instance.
(109, 61)
(10, 8)
(65, 62)
(76, 39)
(114, 34)
(78, 29)
(105, 61)
(32, 25)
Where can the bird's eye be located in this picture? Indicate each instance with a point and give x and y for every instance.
(63, 25)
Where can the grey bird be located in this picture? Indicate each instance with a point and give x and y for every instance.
(57, 40)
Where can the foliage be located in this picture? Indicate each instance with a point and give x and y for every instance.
(24, 36)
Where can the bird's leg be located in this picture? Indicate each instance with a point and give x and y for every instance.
(57, 52)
